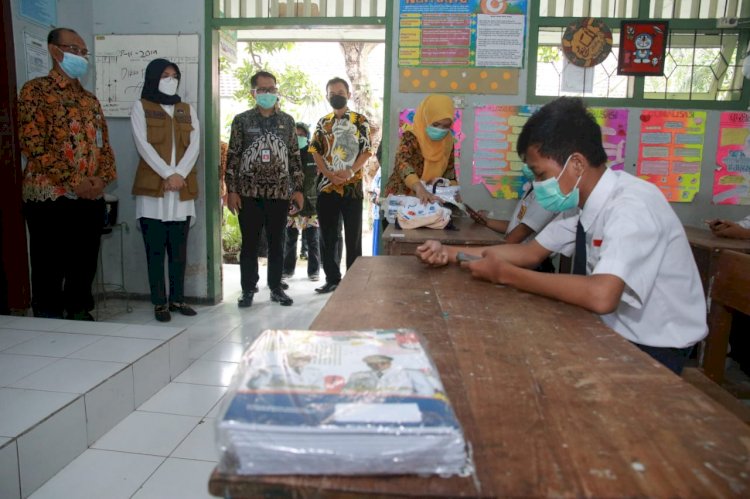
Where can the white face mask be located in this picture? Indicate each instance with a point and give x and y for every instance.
(169, 85)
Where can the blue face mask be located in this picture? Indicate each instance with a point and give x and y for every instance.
(436, 133)
(74, 66)
(551, 198)
(301, 141)
(527, 173)
(266, 101)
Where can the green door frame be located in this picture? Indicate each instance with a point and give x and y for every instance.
(211, 108)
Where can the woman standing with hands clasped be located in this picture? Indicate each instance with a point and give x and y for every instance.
(426, 152)
(166, 134)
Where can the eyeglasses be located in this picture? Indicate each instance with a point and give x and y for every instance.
(74, 49)
(266, 90)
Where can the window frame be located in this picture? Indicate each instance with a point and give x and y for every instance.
(638, 100)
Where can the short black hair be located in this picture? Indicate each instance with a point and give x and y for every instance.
(261, 74)
(336, 80)
(560, 128)
(303, 126)
(53, 37)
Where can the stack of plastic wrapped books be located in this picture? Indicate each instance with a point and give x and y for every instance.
(339, 402)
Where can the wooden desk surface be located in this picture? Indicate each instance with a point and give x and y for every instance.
(704, 238)
(469, 233)
(553, 402)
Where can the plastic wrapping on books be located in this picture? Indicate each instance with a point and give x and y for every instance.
(339, 403)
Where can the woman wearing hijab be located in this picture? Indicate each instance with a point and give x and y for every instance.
(426, 152)
(166, 134)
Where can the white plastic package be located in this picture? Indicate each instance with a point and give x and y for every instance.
(339, 403)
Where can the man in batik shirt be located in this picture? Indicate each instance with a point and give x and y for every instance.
(263, 173)
(64, 137)
(341, 147)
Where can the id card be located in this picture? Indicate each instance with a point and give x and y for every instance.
(265, 155)
(99, 138)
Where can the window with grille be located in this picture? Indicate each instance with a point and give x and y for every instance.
(703, 64)
(259, 9)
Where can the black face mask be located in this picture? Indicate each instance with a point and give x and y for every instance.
(338, 101)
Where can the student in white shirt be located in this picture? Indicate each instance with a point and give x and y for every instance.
(167, 136)
(640, 273)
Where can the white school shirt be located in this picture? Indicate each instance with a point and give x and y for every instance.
(168, 208)
(529, 212)
(745, 222)
(633, 233)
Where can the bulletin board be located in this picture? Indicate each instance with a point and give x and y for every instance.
(121, 62)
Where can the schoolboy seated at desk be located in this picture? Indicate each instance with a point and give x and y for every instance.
(727, 228)
(639, 271)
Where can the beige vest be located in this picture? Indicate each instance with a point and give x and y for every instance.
(159, 127)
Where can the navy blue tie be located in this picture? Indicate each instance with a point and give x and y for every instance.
(579, 258)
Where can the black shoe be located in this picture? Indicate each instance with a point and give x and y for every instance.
(281, 297)
(287, 275)
(161, 312)
(81, 316)
(314, 277)
(182, 308)
(327, 288)
(255, 289)
(246, 299)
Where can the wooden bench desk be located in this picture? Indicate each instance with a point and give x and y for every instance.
(469, 233)
(553, 402)
(706, 247)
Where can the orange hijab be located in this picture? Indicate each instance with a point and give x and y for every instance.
(435, 152)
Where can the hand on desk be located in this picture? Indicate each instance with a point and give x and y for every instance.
(727, 228)
(433, 253)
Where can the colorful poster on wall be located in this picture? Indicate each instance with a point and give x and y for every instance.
(614, 125)
(732, 175)
(467, 33)
(406, 123)
(671, 151)
(496, 164)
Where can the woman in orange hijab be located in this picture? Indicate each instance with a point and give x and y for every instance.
(426, 152)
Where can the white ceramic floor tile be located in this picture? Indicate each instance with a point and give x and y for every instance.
(208, 372)
(10, 487)
(179, 354)
(70, 375)
(35, 324)
(150, 433)
(100, 474)
(216, 409)
(54, 344)
(51, 445)
(12, 337)
(85, 327)
(113, 349)
(15, 367)
(151, 374)
(4, 319)
(149, 332)
(108, 404)
(181, 478)
(206, 332)
(224, 351)
(184, 399)
(200, 444)
(196, 348)
(22, 409)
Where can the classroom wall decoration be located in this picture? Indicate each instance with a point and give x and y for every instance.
(121, 62)
(732, 174)
(406, 122)
(458, 47)
(587, 42)
(496, 165)
(614, 125)
(642, 48)
(671, 150)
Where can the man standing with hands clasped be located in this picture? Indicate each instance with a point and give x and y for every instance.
(263, 170)
(341, 147)
(64, 137)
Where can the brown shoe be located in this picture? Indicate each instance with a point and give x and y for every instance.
(182, 308)
(161, 312)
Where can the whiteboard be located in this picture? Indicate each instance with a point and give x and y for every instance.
(121, 62)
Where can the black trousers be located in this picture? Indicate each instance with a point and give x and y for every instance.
(310, 238)
(332, 206)
(159, 236)
(255, 214)
(64, 238)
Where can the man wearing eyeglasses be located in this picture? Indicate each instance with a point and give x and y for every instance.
(263, 171)
(64, 137)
